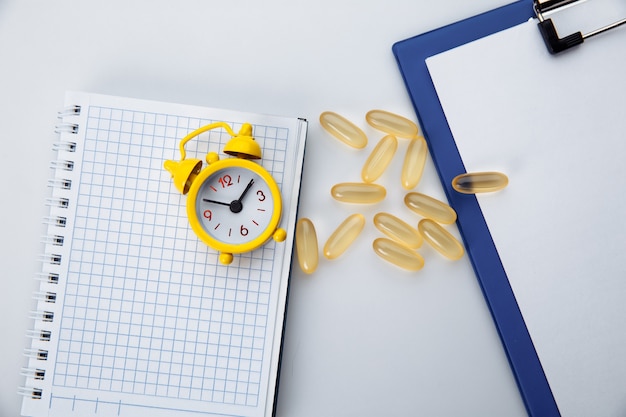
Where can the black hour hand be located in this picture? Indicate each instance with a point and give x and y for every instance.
(215, 202)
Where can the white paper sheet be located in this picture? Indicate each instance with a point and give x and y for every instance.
(556, 125)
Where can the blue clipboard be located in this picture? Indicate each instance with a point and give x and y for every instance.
(411, 55)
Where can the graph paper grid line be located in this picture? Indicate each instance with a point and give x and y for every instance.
(148, 310)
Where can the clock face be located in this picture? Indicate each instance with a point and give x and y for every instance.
(235, 205)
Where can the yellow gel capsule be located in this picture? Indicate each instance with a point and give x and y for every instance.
(391, 123)
(398, 254)
(306, 245)
(343, 129)
(440, 239)
(344, 235)
(414, 161)
(358, 192)
(379, 159)
(479, 182)
(398, 230)
(431, 208)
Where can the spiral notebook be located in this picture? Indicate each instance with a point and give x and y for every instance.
(135, 315)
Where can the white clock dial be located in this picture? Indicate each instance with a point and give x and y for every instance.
(234, 205)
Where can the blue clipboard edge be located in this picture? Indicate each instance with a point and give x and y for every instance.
(411, 55)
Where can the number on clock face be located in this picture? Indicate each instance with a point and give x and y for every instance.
(234, 205)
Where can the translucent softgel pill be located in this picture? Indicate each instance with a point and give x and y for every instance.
(391, 123)
(430, 207)
(306, 245)
(343, 129)
(398, 230)
(414, 161)
(398, 254)
(358, 192)
(379, 159)
(344, 235)
(479, 182)
(440, 239)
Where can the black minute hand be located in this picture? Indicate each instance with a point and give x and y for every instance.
(246, 190)
(236, 206)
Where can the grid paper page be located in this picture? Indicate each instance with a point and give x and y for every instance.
(151, 322)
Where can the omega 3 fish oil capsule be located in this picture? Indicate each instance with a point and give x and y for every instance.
(440, 239)
(391, 123)
(398, 230)
(343, 129)
(414, 161)
(479, 182)
(430, 207)
(379, 159)
(398, 254)
(357, 192)
(306, 245)
(344, 235)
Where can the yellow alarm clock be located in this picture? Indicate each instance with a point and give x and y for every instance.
(233, 205)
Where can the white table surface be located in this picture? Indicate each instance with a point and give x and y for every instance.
(363, 338)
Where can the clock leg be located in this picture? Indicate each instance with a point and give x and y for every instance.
(280, 235)
(226, 258)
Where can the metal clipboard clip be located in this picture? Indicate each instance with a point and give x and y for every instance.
(554, 43)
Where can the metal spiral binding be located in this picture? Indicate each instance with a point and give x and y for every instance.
(34, 393)
(64, 165)
(46, 297)
(56, 240)
(51, 258)
(66, 128)
(64, 146)
(44, 316)
(58, 221)
(37, 373)
(58, 202)
(63, 184)
(39, 354)
(42, 335)
(48, 277)
(69, 111)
